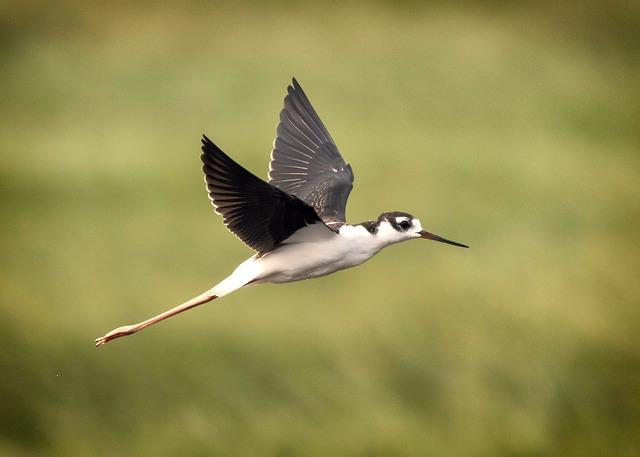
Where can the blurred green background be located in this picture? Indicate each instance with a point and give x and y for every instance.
(515, 129)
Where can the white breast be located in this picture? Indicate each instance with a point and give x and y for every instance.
(316, 251)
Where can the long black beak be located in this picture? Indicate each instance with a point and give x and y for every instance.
(431, 236)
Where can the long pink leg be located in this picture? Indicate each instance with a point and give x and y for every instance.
(130, 329)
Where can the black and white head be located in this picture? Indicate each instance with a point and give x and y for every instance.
(396, 226)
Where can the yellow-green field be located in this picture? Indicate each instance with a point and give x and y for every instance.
(513, 129)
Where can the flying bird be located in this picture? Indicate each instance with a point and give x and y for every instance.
(296, 221)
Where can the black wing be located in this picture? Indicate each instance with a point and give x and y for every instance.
(261, 215)
(306, 162)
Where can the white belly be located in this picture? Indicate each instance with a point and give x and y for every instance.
(317, 251)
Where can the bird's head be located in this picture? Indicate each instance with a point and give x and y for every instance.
(397, 226)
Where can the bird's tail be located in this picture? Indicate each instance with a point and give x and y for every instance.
(247, 272)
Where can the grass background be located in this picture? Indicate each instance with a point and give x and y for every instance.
(512, 128)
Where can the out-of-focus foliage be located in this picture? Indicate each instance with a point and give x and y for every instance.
(512, 128)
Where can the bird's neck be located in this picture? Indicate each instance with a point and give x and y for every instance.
(370, 234)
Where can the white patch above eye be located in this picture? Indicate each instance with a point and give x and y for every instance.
(401, 219)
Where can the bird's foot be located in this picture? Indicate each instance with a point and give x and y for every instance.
(116, 333)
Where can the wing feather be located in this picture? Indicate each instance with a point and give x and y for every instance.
(260, 214)
(305, 160)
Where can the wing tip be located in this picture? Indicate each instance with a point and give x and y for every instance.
(294, 87)
(210, 149)
(206, 141)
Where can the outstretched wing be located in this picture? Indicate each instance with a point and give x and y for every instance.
(306, 162)
(261, 215)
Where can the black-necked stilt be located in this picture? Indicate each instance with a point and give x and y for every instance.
(296, 221)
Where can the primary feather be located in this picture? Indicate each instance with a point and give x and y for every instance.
(260, 214)
(305, 160)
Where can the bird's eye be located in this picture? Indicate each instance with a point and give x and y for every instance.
(405, 224)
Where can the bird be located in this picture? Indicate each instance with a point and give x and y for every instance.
(296, 220)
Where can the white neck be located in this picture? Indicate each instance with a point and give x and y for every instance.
(385, 235)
